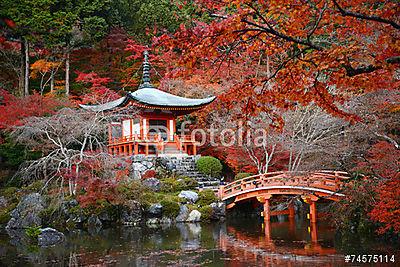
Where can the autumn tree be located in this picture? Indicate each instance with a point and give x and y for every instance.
(66, 139)
(312, 47)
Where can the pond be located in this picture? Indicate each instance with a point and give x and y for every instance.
(236, 242)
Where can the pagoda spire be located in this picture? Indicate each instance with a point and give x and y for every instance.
(146, 71)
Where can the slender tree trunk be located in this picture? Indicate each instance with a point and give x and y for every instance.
(26, 84)
(52, 80)
(21, 77)
(67, 73)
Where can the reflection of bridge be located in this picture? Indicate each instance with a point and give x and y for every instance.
(266, 252)
(311, 186)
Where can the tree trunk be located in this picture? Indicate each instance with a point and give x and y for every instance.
(21, 76)
(52, 80)
(26, 83)
(67, 73)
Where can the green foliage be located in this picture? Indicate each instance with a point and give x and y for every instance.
(35, 186)
(210, 166)
(170, 208)
(206, 213)
(242, 175)
(14, 154)
(130, 190)
(206, 197)
(9, 192)
(146, 18)
(33, 231)
(4, 216)
(172, 184)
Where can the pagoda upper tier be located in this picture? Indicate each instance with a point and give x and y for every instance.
(150, 98)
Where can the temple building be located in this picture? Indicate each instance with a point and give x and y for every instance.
(152, 127)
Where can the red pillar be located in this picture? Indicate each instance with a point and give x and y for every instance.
(291, 210)
(147, 149)
(314, 233)
(267, 212)
(136, 148)
(313, 211)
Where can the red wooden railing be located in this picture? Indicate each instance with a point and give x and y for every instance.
(331, 181)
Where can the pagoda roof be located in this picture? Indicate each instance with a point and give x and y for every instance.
(152, 98)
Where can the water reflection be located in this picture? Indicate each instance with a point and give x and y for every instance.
(234, 243)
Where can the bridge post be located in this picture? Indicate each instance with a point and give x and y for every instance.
(291, 210)
(265, 200)
(313, 211)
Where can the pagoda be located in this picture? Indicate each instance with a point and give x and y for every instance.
(152, 129)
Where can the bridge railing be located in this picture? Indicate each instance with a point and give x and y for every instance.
(324, 179)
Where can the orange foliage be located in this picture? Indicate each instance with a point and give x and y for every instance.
(286, 53)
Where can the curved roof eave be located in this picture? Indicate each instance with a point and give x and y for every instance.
(106, 106)
(156, 97)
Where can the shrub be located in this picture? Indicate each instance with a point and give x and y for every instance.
(172, 184)
(242, 175)
(10, 192)
(33, 231)
(129, 191)
(170, 208)
(206, 213)
(209, 166)
(187, 183)
(169, 185)
(35, 186)
(206, 197)
(4, 216)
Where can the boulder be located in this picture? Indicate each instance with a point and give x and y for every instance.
(189, 196)
(131, 213)
(26, 214)
(194, 216)
(218, 210)
(50, 237)
(153, 221)
(105, 216)
(94, 222)
(165, 221)
(183, 214)
(152, 183)
(155, 210)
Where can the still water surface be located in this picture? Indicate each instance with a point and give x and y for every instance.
(239, 242)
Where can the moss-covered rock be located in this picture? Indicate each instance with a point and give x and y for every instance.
(206, 213)
(206, 197)
(170, 208)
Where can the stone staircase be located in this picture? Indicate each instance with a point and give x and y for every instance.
(180, 163)
(186, 166)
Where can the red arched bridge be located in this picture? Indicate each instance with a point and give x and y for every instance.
(311, 186)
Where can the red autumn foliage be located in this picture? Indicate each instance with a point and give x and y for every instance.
(96, 182)
(149, 174)
(14, 109)
(387, 210)
(290, 52)
(98, 91)
(382, 159)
